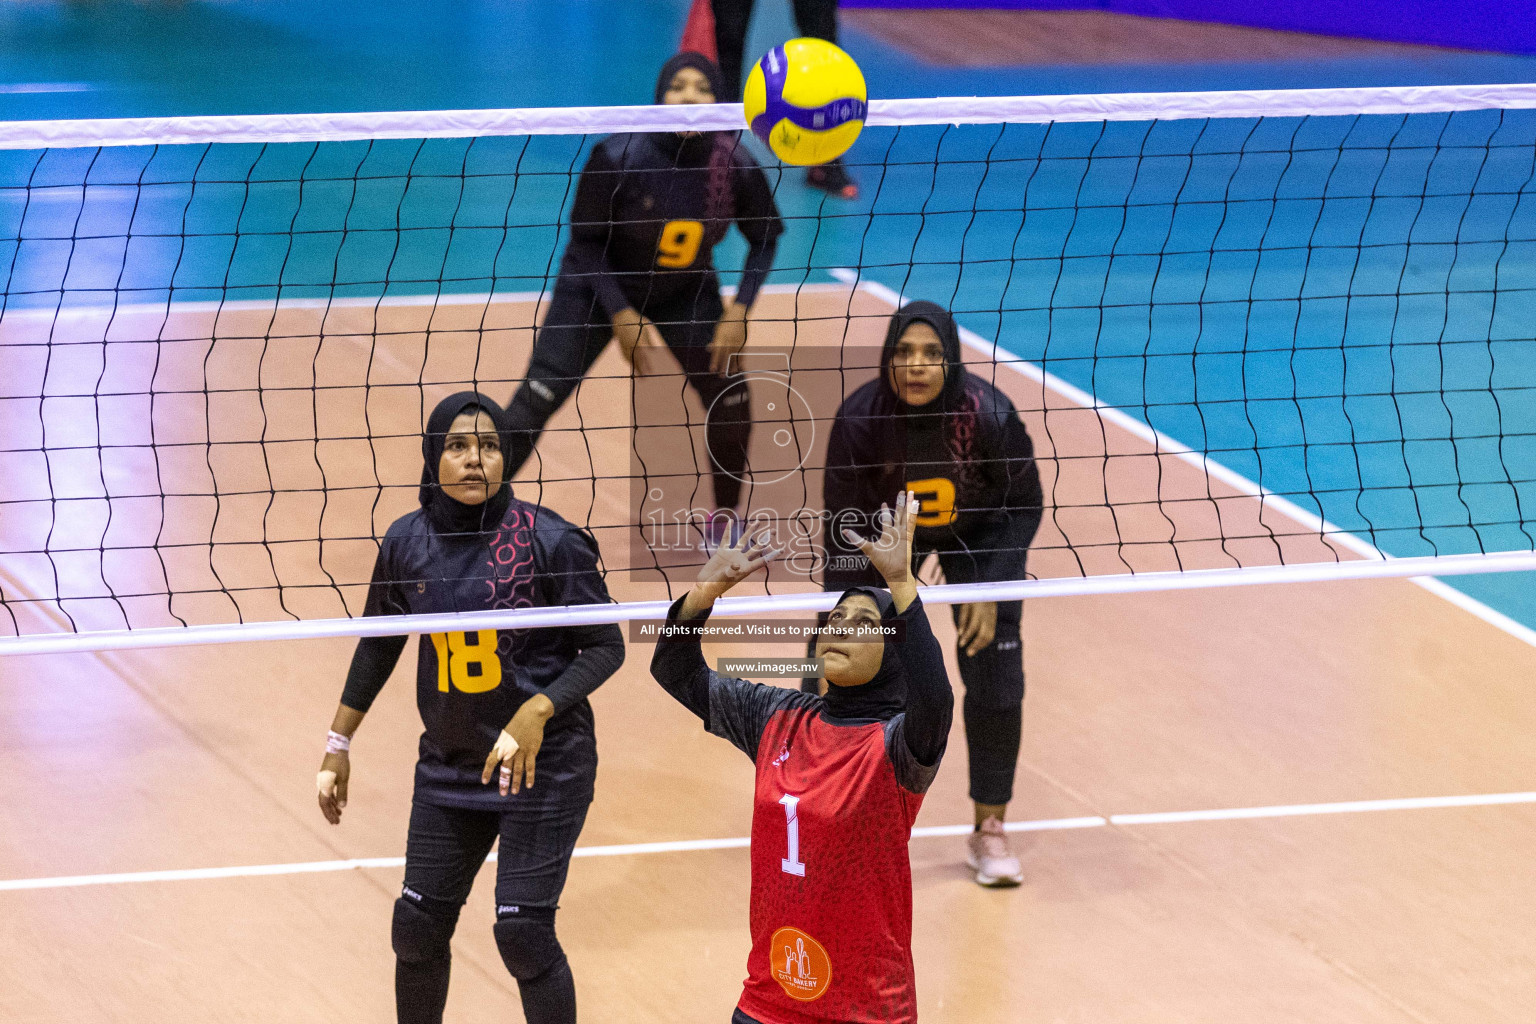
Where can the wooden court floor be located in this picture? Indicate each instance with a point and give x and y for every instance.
(117, 764)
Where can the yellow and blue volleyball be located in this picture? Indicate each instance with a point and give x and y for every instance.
(807, 100)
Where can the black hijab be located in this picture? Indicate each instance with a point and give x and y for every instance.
(939, 318)
(885, 695)
(447, 515)
(689, 150)
(689, 59)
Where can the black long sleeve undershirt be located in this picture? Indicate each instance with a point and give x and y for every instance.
(755, 270)
(602, 652)
(372, 662)
(679, 666)
(930, 699)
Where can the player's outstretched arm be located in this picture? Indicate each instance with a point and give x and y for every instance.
(678, 664)
(930, 700)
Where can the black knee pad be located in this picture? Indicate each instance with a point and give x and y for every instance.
(994, 676)
(538, 398)
(526, 938)
(422, 928)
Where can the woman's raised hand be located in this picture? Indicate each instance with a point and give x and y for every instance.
(728, 566)
(891, 552)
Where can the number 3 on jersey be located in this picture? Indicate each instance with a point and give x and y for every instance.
(936, 501)
(471, 667)
(792, 865)
(679, 245)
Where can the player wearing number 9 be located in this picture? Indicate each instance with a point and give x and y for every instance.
(649, 210)
(840, 779)
(508, 749)
(928, 424)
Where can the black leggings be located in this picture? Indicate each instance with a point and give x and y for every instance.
(575, 332)
(994, 677)
(444, 851)
(815, 18)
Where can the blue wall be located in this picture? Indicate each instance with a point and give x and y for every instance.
(1499, 25)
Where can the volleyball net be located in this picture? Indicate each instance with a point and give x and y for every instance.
(1255, 337)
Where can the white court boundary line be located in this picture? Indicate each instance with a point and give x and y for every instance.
(1162, 443)
(743, 842)
(425, 301)
(458, 124)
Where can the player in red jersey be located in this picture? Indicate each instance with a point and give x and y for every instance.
(840, 779)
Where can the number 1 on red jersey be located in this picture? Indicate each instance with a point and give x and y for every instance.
(791, 865)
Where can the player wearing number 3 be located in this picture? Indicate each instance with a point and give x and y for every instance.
(840, 779)
(649, 210)
(498, 706)
(956, 441)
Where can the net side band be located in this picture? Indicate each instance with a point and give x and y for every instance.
(164, 131)
(954, 593)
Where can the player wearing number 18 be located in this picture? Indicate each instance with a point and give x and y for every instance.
(840, 779)
(503, 710)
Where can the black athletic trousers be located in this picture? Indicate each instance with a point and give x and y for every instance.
(814, 18)
(575, 332)
(444, 850)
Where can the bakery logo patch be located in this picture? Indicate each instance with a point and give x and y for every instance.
(799, 964)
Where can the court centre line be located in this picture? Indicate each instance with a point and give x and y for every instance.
(1164, 444)
(742, 842)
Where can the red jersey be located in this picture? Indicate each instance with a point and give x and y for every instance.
(831, 882)
(831, 913)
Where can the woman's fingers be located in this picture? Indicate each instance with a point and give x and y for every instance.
(325, 786)
(517, 772)
(965, 624)
(984, 636)
(978, 628)
(855, 541)
(500, 754)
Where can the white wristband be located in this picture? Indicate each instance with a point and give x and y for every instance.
(336, 743)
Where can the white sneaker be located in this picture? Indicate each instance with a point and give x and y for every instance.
(989, 856)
